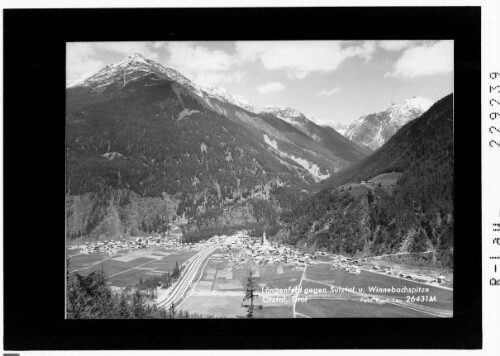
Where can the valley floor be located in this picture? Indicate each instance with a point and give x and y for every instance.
(314, 291)
(215, 274)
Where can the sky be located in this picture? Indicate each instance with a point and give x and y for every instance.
(334, 81)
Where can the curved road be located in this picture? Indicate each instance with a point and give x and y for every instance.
(187, 277)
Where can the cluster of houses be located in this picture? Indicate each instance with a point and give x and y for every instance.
(348, 264)
(401, 274)
(390, 272)
(398, 273)
(246, 250)
(111, 247)
(242, 250)
(171, 239)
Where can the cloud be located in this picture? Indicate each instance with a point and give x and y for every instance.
(209, 66)
(300, 58)
(329, 92)
(201, 64)
(216, 77)
(80, 62)
(158, 44)
(364, 51)
(127, 48)
(424, 60)
(270, 87)
(394, 45)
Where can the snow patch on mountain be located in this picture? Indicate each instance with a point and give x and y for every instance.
(399, 113)
(131, 68)
(223, 95)
(374, 129)
(136, 66)
(294, 117)
(313, 169)
(271, 142)
(186, 113)
(290, 115)
(340, 128)
(112, 155)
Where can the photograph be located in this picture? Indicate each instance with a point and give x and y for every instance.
(268, 179)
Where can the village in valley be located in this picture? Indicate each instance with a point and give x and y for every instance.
(201, 197)
(212, 273)
(243, 251)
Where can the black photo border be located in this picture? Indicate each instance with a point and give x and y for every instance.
(34, 176)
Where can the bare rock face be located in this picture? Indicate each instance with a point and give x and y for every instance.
(117, 213)
(374, 129)
(237, 216)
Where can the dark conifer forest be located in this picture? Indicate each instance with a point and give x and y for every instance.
(417, 212)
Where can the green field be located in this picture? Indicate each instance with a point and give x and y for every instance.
(227, 285)
(386, 181)
(221, 289)
(386, 178)
(325, 308)
(273, 312)
(126, 268)
(227, 306)
(216, 272)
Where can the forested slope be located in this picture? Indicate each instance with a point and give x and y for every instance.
(415, 215)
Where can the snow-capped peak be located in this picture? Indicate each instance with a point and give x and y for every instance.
(290, 115)
(340, 128)
(136, 57)
(284, 113)
(408, 109)
(374, 129)
(313, 119)
(222, 94)
(421, 102)
(135, 66)
(130, 59)
(131, 68)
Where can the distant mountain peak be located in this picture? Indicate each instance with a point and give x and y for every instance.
(286, 112)
(374, 129)
(135, 55)
(301, 120)
(340, 128)
(134, 58)
(421, 102)
(223, 94)
(178, 142)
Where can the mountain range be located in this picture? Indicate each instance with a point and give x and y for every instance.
(145, 144)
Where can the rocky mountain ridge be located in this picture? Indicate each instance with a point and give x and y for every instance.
(374, 129)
